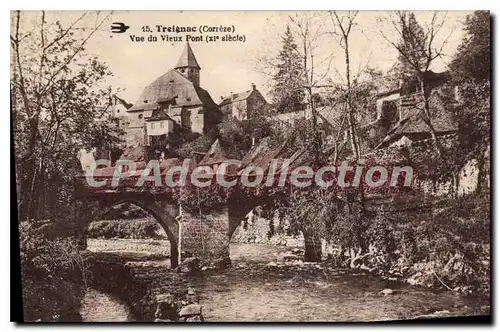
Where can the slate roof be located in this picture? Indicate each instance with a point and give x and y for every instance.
(166, 164)
(261, 154)
(216, 154)
(123, 102)
(414, 126)
(187, 58)
(235, 97)
(158, 115)
(432, 78)
(168, 86)
(135, 153)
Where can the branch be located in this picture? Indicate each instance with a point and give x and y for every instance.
(74, 54)
(49, 45)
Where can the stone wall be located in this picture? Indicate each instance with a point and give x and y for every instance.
(258, 230)
(255, 103)
(205, 238)
(134, 136)
(152, 292)
(197, 120)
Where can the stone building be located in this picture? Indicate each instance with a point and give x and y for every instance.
(119, 109)
(243, 105)
(178, 95)
(119, 106)
(399, 113)
(158, 126)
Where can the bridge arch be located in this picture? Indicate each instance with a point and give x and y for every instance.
(163, 213)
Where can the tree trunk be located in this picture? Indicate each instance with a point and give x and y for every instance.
(312, 248)
(174, 255)
(481, 174)
(427, 113)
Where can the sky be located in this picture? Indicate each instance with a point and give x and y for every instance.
(233, 66)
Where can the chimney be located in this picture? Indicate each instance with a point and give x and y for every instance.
(253, 86)
(232, 96)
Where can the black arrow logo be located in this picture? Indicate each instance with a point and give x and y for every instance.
(119, 27)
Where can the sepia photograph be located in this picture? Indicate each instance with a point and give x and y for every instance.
(251, 166)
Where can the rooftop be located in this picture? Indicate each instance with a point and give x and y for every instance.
(187, 58)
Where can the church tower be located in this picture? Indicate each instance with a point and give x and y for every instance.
(188, 66)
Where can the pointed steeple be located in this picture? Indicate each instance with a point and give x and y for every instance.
(187, 58)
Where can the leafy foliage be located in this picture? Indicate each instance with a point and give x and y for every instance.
(125, 229)
(473, 59)
(194, 142)
(470, 70)
(53, 275)
(59, 107)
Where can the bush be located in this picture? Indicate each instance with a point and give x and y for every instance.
(126, 229)
(53, 275)
(445, 246)
(199, 144)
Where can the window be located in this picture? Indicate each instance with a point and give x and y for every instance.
(161, 124)
(152, 125)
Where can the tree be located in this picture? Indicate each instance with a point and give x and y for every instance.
(345, 31)
(344, 25)
(417, 50)
(310, 30)
(473, 58)
(470, 69)
(58, 108)
(287, 91)
(412, 40)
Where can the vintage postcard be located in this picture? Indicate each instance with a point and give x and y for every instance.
(190, 166)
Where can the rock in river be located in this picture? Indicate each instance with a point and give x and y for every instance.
(190, 310)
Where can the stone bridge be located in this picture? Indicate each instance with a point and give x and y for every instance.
(203, 235)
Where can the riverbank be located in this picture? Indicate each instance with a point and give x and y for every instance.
(101, 307)
(254, 290)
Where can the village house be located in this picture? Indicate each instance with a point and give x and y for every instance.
(119, 109)
(399, 113)
(398, 123)
(158, 126)
(243, 105)
(119, 106)
(177, 95)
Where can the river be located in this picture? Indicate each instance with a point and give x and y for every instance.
(254, 291)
